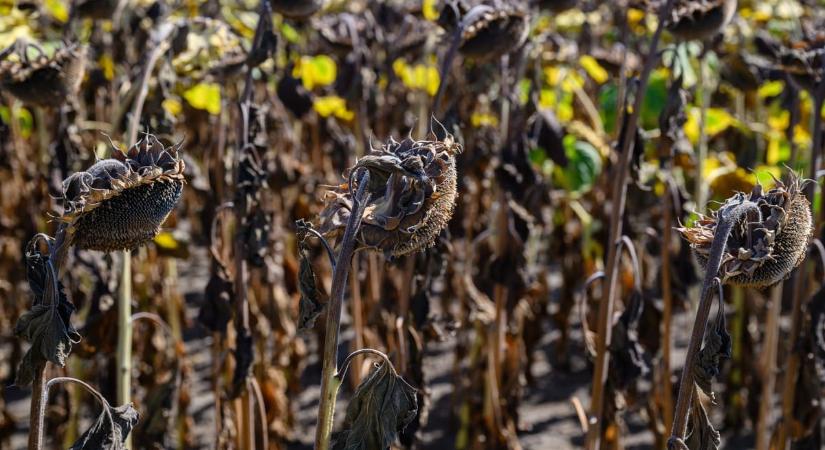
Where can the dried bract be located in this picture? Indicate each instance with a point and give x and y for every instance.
(120, 203)
(43, 81)
(110, 429)
(412, 191)
(803, 60)
(761, 251)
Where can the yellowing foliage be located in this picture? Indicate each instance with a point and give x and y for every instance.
(333, 105)
(319, 70)
(205, 96)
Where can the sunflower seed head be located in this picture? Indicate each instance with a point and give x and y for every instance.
(44, 81)
(412, 195)
(120, 203)
(761, 251)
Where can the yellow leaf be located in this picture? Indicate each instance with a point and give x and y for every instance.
(429, 10)
(332, 105)
(718, 120)
(205, 96)
(314, 71)
(779, 122)
(107, 66)
(418, 77)
(58, 10)
(635, 16)
(691, 126)
(166, 241)
(763, 175)
(770, 89)
(547, 99)
(594, 69)
(172, 106)
(483, 119)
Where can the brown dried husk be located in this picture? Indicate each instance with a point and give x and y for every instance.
(777, 244)
(45, 81)
(412, 196)
(120, 203)
(488, 32)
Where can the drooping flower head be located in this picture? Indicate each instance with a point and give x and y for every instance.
(412, 191)
(760, 251)
(43, 80)
(120, 203)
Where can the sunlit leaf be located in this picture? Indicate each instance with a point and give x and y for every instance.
(332, 105)
(593, 69)
(583, 167)
(172, 106)
(319, 70)
(57, 9)
(770, 89)
(205, 96)
(107, 66)
(429, 9)
(478, 119)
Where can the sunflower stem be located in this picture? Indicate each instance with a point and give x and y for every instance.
(594, 433)
(329, 374)
(124, 335)
(728, 216)
(797, 284)
(57, 255)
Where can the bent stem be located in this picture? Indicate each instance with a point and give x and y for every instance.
(329, 379)
(57, 254)
(728, 216)
(619, 196)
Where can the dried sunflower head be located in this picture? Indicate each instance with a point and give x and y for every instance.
(488, 32)
(297, 9)
(692, 20)
(760, 251)
(43, 81)
(120, 203)
(802, 60)
(557, 6)
(412, 191)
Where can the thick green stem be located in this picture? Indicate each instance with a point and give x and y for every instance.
(329, 374)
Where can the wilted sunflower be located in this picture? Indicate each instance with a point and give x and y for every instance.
(412, 191)
(488, 32)
(43, 81)
(802, 60)
(120, 203)
(692, 20)
(760, 251)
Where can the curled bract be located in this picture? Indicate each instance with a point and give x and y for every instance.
(412, 190)
(760, 251)
(120, 203)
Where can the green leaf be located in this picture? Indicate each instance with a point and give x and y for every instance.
(583, 167)
(655, 99)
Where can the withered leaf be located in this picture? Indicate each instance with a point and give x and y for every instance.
(717, 345)
(381, 407)
(629, 359)
(47, 325)
(702, 435)
(106, 435)
(310, 307)
(244, 358)
(216, 310)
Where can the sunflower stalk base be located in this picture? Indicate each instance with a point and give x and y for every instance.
(330, 382)
(729, 216)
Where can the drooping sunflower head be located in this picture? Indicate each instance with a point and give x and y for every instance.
(42, 80)
(412, 191)
(760, 251)
(120, 203)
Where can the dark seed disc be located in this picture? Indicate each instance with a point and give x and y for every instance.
(127, 220)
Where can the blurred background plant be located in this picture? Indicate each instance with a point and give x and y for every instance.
(491, 324)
